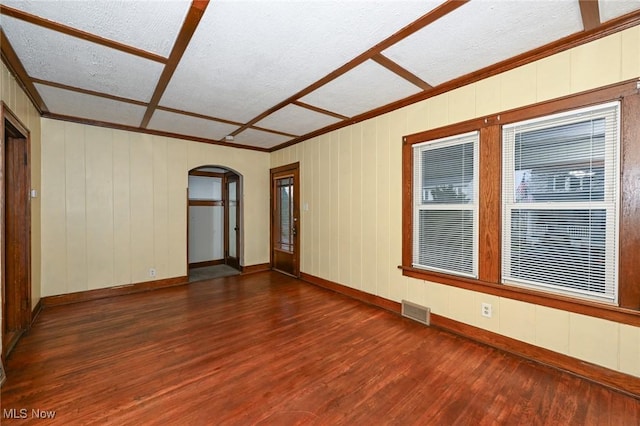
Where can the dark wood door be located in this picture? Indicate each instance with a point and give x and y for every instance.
(232, 219)
(285, 219)
(16, 234)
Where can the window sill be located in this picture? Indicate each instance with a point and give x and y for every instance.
(579, 306)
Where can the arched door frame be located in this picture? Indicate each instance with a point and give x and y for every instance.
(227, 174)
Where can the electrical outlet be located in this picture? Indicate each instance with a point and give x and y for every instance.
(486, 310)
(152, 272)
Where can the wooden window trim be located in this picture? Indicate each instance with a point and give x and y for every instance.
(206, 174)
(490, 217)
(206, 203)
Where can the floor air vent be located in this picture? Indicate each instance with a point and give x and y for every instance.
(416, 312)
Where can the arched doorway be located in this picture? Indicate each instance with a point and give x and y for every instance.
(214, 222)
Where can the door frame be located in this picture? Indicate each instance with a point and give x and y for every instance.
(223, 173)
(229, 176)
(292, 170)
(18, 304)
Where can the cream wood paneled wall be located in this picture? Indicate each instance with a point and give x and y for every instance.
(351, 183)
(114, 205)
(17, 101)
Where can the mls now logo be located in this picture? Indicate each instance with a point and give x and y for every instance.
(23, 413)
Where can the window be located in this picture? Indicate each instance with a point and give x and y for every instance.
(560, 195)
(555, 186)
(284, 209)
(445, 213)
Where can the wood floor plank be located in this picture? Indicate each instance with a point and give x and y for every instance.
(269, 349)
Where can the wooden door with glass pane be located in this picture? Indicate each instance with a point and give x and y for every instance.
(232, 219)
(285, 224)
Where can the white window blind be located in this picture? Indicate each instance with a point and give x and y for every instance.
(560, 196)
(445, 213)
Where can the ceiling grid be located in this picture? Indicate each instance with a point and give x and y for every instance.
(266, 74)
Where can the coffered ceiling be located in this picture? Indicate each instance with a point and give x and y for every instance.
(262, 74)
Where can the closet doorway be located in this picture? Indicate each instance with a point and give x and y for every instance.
(214, 218)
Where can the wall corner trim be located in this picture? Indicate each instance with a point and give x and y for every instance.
(36, 311)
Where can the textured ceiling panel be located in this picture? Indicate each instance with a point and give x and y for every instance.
(260, 139)
(247, 56)
(610, 9)
(192, 126)
(296, 120)
(53, 56)
(74, 104)
(147, 25)
(482, 33)
(364, 88)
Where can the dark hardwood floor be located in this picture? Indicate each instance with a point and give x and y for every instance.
(268, 349)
